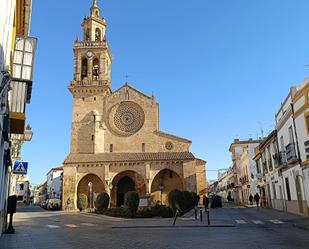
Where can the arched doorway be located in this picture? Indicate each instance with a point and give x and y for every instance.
(163, 183)
(123, 183)
(96, 188)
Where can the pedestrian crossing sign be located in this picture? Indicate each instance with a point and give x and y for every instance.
(20, 168)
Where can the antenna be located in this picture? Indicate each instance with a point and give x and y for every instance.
(261, 127)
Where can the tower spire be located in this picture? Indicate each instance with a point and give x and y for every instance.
(95, 10)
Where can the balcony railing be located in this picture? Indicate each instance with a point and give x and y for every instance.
(87, 82)
(291, 152)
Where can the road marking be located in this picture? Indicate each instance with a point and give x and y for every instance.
(240, 222)
(53, 226)
(276, 221)
(257, 222)
(71, 225)
(88, 224)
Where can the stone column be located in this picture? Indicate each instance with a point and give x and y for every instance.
(90, 65)
(78, 67)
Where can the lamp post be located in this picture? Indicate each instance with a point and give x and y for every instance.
(90, 185)
(110, 186)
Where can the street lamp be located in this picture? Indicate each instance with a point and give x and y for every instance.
(28, 133)
(110, 186)
(90, 191)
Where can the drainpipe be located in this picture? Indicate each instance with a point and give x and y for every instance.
(299, 157)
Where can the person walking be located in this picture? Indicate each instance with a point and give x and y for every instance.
(251, 199)
(257, 199)
(205, 202)
(263, 200)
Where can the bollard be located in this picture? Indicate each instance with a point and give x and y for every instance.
(201, 215)
(208, 220)
(195, 213)
(175, 218)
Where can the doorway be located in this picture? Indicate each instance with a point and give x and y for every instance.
(299, 195)
(124, 185)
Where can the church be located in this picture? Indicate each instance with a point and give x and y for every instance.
(116, 142)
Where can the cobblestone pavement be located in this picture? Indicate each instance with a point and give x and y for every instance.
(255, 228)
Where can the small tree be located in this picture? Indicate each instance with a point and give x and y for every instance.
(131, 200)
(176, 200)
(82, 202)
(102, 201)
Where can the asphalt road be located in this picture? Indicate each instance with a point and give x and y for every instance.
(253, 228)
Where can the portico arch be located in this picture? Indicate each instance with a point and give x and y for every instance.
(164, 182)
(97, 186)
(124, 182)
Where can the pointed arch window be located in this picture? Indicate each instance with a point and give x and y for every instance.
(95, 68)
(84, 68)
(98, 34)
(87, 34)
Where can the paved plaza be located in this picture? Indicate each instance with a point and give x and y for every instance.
(245, 228)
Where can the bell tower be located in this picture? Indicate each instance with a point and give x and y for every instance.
(91, 84)
(92, 57)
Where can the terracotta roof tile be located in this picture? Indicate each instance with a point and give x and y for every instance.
(129, 157)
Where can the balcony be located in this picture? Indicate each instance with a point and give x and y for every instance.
(277, 160)
(307, 149)
(291, 153)
(270, 164)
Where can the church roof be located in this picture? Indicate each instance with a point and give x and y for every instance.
(129, 157)
(167, 135)
(132, 88)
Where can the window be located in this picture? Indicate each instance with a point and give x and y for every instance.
(95, 68)
(143, 147)
(92, 137)
(307, 122)
(291, 137)
(97, 34)
(111, 148)
(274, 191)
(84, 68)
(287, 185)
(171, 174)
(282, 144)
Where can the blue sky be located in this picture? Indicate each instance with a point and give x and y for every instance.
(218, 68)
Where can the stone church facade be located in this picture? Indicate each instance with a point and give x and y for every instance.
(116, 143)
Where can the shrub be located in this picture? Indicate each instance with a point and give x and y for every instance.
(131, 201)
(102, 201)
(82, 202)
(176, 200)
(118, 212)
(155, 211)
(184, 201)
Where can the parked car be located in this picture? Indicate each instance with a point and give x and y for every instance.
(53, 204)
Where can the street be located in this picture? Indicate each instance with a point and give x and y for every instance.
(253, 228)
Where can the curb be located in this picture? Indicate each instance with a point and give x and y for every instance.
(303, 227)
(179, 226)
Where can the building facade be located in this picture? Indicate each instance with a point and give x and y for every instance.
(244, 169)
(54, 183)
(16, 64)
(116, 143)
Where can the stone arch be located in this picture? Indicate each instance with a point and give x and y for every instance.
(98, 35)
(125, 181)
(164, 182)
(97, 186)
(84, 68)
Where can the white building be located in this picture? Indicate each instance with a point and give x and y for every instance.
(290, 177)
(244, 169)
(301, 117)
(54, 183)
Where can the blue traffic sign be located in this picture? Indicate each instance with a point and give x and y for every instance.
(20, 168)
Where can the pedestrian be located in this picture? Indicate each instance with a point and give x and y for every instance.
(263, 200)
(251, 199)
(205, 202)
(257, 199)
(69, 204)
